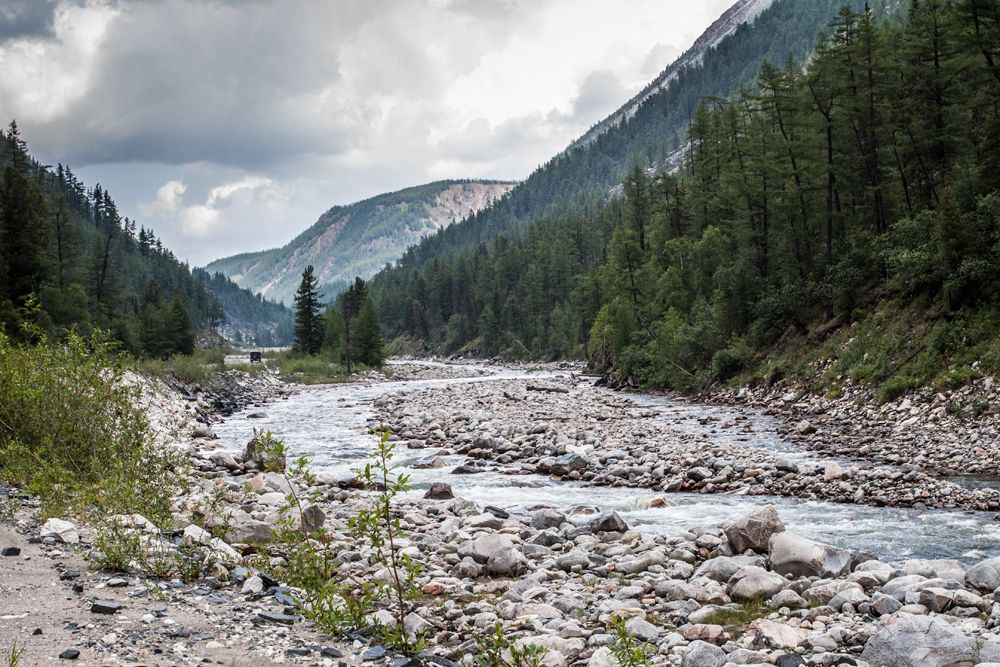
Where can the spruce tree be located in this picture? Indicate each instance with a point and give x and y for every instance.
(369, 349)
(308, 325)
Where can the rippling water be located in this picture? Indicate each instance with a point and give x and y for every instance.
(329, 426)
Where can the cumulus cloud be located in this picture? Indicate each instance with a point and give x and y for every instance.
(241, 107)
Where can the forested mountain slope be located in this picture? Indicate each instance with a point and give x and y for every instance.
(582, 175)
(854, 201)
(359, 239)
(68, 259)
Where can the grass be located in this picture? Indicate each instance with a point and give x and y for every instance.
(740, 616)
(306, 370)
(196, 368)
(73, 433)
(894, 349)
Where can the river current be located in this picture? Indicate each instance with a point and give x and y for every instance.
(329, 425)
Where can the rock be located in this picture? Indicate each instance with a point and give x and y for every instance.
(804, 427)
(853, 595)
(414, 625)
(69, 654)
(11, 551)
(609, 522)
(255, 455)
(313, 519)
(507, 562)
(574, 559)
(703, 654)
(104, 607)
(984, 575)
(439, 491)
(905, 640)
(722, 568)
(791, 554)
(60, 531)
(883, 604)
(275, 617)
(764, 633)
(935, 599)
(484, 520)
(754, 583)
(547, 518)
(603, 657)
(568, 463)
(253, 586)
(643, 629)
(699, 474)
(374, 653)
(482, 548)
(753, 531)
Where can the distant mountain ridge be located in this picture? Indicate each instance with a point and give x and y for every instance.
(359, 239)
(744, 11)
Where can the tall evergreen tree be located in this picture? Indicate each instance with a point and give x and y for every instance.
(308, 324)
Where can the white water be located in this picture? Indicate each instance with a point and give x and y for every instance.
(329, 425)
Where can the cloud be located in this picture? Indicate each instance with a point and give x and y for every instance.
(26, 18)
(202, 220)
(242, 107)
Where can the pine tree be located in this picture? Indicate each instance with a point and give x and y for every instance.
(368, 346)
(351, 303)
(24, 237)
(308, 324)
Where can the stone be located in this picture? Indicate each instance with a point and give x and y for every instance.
(754, 530)
(764, 633)
(414, 625)
(69, 654)
(791, 554)
(699, 474)
(603, 657)
(374, 653)
(754, 583)
(104, 607)
(60, 531)
(547, 518)
(936, 600)
(575, 558)
(313, 519)
(568, 463)
(507, 562)
(253, 586)
(439, 491)
(275, 617)
(11, 551)
(483, 547)
(703, 654)
(256, 455)
(484, 520)
(642, 629)
(722, 568)
(853, 595)
(609, 522)
(984, 575)
(804, 427)
(904, 640)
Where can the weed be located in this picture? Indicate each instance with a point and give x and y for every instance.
(628, 649)
(738, 616)
(497, 650)
(14, 656)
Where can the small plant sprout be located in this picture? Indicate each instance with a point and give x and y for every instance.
(629, 650)
(497, 650)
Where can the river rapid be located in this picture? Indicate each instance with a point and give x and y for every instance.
(330, 425)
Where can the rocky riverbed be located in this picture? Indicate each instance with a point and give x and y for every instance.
(491, 450)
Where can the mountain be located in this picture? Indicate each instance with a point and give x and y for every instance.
(359, 239)
(744, 11)
(836, 221)
(68, 259)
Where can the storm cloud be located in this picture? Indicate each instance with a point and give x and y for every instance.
(231, 125)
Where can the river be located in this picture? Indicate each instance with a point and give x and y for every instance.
(329, 425)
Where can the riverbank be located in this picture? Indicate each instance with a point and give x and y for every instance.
(744, 590)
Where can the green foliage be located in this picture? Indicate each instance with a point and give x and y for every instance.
(627, 649)
(809, 199)
(72, 431)
(380, 529)
(739, 616)
(497, 650)
(14, 654)
(308, 324)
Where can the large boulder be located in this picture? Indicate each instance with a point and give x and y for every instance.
(256, 455)
(791, 554)
(609, 522)
(439, 491)
(754, 583)
(484, 547)
(60, 530)
(722, 568)
(984, 575)
(703, 654)
(753, 531)
(905, 640)
(568, 463)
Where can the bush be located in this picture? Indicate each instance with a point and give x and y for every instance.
(70, 431)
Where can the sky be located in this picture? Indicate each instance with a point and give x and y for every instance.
(231, 125)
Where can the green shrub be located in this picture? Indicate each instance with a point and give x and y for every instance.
(72, 433)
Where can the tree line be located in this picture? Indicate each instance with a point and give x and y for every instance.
(346, 331)
(814, 191)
